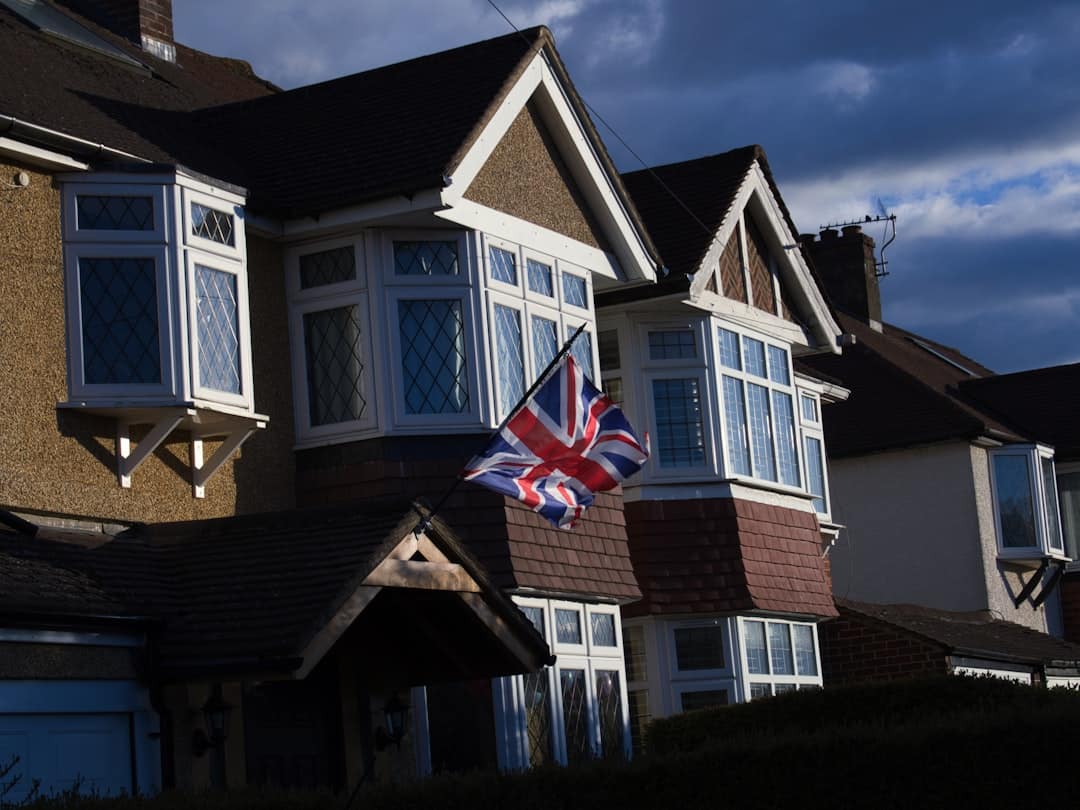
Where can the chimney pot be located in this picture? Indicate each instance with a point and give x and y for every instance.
(828, 234)
(852, 230)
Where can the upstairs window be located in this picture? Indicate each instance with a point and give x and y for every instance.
(1068, 483)
(675, 386)
(1026, 510)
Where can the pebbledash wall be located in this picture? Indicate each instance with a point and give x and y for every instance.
(55, 460)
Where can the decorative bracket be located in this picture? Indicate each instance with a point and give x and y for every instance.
(203, 470)
(128, 459)
(1036, 578)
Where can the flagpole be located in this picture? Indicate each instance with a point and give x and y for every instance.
(425, 521)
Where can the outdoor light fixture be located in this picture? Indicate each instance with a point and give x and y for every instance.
(216, 717)
(396, 714)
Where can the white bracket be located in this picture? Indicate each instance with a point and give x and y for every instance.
(128, 459)
(202, 471)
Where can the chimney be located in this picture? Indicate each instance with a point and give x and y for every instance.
(846, 266)
(147, 23)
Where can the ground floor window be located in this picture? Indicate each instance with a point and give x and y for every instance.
(778, 656)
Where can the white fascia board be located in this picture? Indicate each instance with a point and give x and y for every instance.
(358, 216)
(539, 81)
(829, 392)
(543, 240)
(36, 156)
(751, 317)
(794, 270)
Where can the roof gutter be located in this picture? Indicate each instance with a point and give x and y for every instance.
(32, 133)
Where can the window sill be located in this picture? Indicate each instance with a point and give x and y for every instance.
(1029, 558)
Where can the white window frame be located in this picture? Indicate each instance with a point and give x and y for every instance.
(168, 327)
(680, 688)
(517, 305)
(678, 674)
(562, 648)
(1066, 468)
(292, 269)
(586, 313)
(514, 250)
(1035, 454)
(463, 279)
(686, 473)
(245, 398)
(571, 323)
(236, 250)
(73, 233)
(697, 361)
(551, 301)
(744, 376)
(799, 681)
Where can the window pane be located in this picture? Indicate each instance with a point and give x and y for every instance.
(433, 360)
(503, 265)
(760, 690)
(804, 649)
(545, 343)
(327, 267)
(609, 349)
(754, 352)
(729, 350)
(218, 329)
(634, 653)
(706, 699)
(425, 258)
(581, 351)
(735, 441)
(781, 688)
(538, 716)
(118, 303)
(1053, 523)
(757, 662)
(332, 346)
(680, 433)
(780, 649)
(575, 714)
(761, 448)
(699, 648)
(536, 616)
(603, 630)
(809, 408)
(672, 344)
(567, 626)
(639, 719)
(609, 705)
(778, 366)
(1015, 505)
(102, 213)
(509, 359)
(613, 388)
(540, 278)
(786, 453)
(208, 223)
(815, 473)
(1069, 492)
(574, 292)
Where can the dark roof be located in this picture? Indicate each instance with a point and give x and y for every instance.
(904, 391)
(683, 205)
(1043, 403)
(977, 634)
(49, 82)
(249, 591)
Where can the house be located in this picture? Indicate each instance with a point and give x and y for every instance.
(242, 329)
(956, 485)
(730, 520)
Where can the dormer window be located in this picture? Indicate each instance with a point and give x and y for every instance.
(1026, 508)
(158, 313)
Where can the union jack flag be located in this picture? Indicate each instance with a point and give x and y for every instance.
(561, 446)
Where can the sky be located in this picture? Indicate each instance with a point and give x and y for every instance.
(963, 119)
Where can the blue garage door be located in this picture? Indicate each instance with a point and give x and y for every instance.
(87, 752)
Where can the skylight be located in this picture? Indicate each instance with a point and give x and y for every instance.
(50, 20)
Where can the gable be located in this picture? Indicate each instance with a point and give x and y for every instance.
(526, 177)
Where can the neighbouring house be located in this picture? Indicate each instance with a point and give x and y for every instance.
(957, 487)
(239, 326)
(730, 520)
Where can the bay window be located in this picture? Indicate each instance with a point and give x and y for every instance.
(778, 656)
(676, 391)
(1026, 511)
(814, 450)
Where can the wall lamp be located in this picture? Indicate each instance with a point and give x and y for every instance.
(216, 718)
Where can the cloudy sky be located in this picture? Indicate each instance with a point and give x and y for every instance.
(963, 118)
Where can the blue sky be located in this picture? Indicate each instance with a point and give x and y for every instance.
(964, 118)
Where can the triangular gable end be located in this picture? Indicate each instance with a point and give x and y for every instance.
(535, 173)
(754, 269)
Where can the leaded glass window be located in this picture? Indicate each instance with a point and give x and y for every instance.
(735, 439)
(699, 647)
(209, 223)
(334, 365)
(545, 342)
(672, 344)
(535, 615)
(575, 714)
(119, 312)
(568, 626)
(757, 660)
(603, 629)
(730, 357)
(574, 291)
(784, 421)
(538, 716)
(581, 351)
(97, 212)
(324, 267)
(680, 431)
(426, 258)
(540, 278)
(780, 657)
(609, 704)
(218, 317)
(815, 472)
(778, 366)
(754, 355)
(503, 265)
(434, 361)
(760, 422)
(509, 357)
(805, 652)
(760, 690)
(809, 408)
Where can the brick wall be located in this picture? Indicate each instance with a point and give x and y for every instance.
(855, 649)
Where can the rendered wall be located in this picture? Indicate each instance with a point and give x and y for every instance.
(55, 460)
